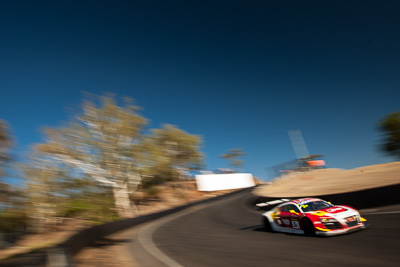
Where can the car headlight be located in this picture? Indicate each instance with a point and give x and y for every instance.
(327, 220)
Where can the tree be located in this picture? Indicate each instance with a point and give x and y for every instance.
(42, 175)
(100, 143)
(105, 142)
(12, 214)
(390, 126)
(5, 145)
(232, 156)
(168, 153)
(6, 192)
(54, 190)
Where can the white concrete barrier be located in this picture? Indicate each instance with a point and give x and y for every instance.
(215, 182)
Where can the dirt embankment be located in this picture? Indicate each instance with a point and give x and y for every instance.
(331, 181)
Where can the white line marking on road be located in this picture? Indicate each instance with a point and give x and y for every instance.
(146, 240)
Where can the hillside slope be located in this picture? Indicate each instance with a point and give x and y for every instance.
(331, 181)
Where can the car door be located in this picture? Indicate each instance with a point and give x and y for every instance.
(290, 216)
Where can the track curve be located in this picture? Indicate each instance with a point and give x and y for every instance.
(230, 233)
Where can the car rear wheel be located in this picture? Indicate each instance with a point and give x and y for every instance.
(267, 225)
(308, 227)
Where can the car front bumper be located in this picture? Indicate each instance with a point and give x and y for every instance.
(340, 231)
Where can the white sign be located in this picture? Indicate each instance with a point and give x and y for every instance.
(215, 182)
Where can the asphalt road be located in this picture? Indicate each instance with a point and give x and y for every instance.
(230, 233)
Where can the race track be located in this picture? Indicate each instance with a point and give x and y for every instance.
(229, 233)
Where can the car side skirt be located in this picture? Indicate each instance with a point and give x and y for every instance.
(278, 228)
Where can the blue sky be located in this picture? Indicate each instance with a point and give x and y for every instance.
(239, 73)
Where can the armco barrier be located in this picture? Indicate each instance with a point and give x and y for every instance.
(62, 255)
(362, 199)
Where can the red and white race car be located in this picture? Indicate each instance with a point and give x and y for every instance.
(312, 216)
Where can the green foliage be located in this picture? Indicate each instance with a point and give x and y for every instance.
(90, 166)
(81, 168)
(12, 212)
(53, 193)
(99, 143)
(390, 126)
(75, 207)
(168, 153)
(232, 156)
(96, 209)
(152, 191)
(5, 145)
(13, 219)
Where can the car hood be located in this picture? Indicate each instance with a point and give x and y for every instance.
(336, 212)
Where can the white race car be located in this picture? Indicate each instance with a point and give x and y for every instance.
(312, 216)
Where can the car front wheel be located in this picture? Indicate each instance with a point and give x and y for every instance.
(308, 227)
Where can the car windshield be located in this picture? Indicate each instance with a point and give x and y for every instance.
(315, 205)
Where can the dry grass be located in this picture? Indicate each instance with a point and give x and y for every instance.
(332, 181)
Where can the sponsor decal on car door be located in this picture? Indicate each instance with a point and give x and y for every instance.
(287, 220)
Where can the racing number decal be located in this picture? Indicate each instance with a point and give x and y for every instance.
(295, 224)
